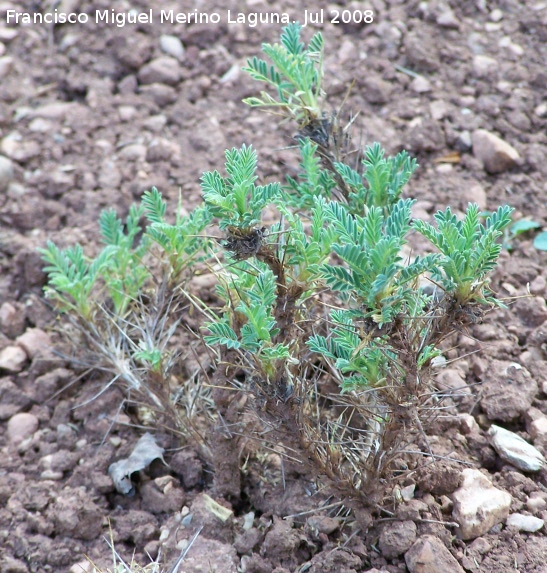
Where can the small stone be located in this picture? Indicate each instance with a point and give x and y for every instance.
(51, 475)
(475, 193)
(162, 70)
(478, 505)
(376, 90)
(134, 152)
(10, 565)
(6, 64)
(55, 110)
(536, 502)
(523, 522)
(429, 555)
(172, 46)
(21, 426)
(6, 172)
(407, 493)
(82, 567)
(484, 66)
(496, 15)
(541, 110)
(161, 94)
(396, 538)
(447, 19)
(439, 109)
(12, 320)
(232, 75)
(513, 449)
(538, 428)
(15, 148)
(420, 85)
(468, 424)
(496, 155)
(537, 286)
(8, 34)
(12, 359)
(464, 141)
(451, 380)
(34, 341)
(127, 112)
(324, 524)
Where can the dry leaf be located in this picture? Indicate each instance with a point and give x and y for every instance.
(145, 452)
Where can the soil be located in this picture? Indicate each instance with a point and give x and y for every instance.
(90, 118)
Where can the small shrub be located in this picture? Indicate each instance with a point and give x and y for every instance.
(324, 298)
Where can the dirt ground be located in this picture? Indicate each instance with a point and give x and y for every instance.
(92, 114)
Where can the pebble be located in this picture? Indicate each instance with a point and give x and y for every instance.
(6, 172)
(537, 286)
(475, 193)
(464, 141)
(536, 424)
(429, 555)
(496, 155)
(12, 359)
(451, 380)
(6, 64)
(396, 538)
(513, 449)
(134, 152)
(541, 110)
(536, 502)
(523, 522)
(478, 505)
(8, 34)
(496, 15)
(84, 566)
(484, 66)
(323, 524)
(172, 46)
(162, 70)
(51, 475)
(420, 85)
(376, 90)
(21, 426)
(15, 148)
(56, 110)
(34, 341)
(447, 19)
(127, 112)
(439, 109)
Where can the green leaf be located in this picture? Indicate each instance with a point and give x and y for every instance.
(540, 242)
(522, 226)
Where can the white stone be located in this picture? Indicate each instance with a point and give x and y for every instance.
(12, 359)
(538, 428)
(541, 110)
(6, 172)
(172, 46)
(447, 19)
(34, 341)
(513, 449)
(496, 15)
(420, 85)
(525, 522)
(496, 155)
(483, 66)
(478, 505)
(21, 426)
(82, 567)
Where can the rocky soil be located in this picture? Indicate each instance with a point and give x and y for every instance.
(93, 114)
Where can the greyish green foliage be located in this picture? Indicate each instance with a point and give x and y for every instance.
(323, 287)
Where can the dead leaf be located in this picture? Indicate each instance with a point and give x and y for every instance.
(145, 452)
